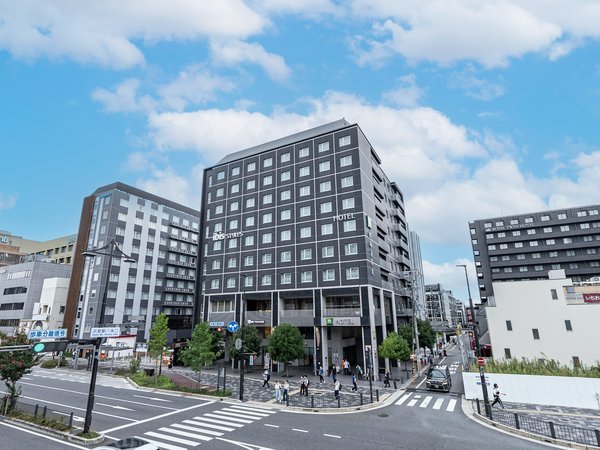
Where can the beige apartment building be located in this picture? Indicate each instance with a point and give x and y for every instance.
(59, 249)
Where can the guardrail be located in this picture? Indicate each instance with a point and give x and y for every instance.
(38, 410)
(345, 399)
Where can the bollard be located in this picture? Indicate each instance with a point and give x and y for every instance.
(552, 432)
(377, 393)
(517, 426)
(312, 401)
(338, 401)
(287, 400)
(597, 432)
(44, 412)
(71, 420)
(478, 406)
(395, 385)
(35, 411)
(361, 399)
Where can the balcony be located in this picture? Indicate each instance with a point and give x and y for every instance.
(177, 304)
(183, 227)
(185, 252)
(342, 312)
(40, 317)
(182, 239)
(180, 277)
(176, 289)
(179, 263)
(298, 317)
(260, 318)
(224, 317)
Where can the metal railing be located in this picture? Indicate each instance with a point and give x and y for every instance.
(345, 399)
(38, 410)
(586, 436)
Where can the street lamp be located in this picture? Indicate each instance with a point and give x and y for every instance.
(476, 337)
(111, 250)
(242, 356)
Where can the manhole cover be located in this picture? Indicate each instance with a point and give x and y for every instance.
(382, 415)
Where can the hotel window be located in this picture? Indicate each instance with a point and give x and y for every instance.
(501, 235)
(285, 157)
(286, 278)
(506, 258)
(352, 273)
(507, 269)
(536, 255)
(564, 228)
(248, 260)
(495, 270)
(531, 231)
(234, 206)
(509, 325)
(326, 207)
(555, 266)
(348, 203)
(250, 221)
(324, 166)
(503, 246)
(219, 209)
(590, 251)
(562, 216)
(520, 244)
(351, 249)
(547, 229)
(500, 223)
(267, 238)
(233, 243)
(232, 262)
(216, 264)
(220, 192)
(267, 258)
(306, 277)
(230, 282)
(545, 218)
(550, 242)
(487, 225)
(303, 152)
(573, 266)
(327, 228)
(268, 180)
(215, 284)
(323, 147)
(285, 256)
(538, 268)
(304, 191)
(487, 236)
(249, 281)
(581, 213)
(536, 333)
(344, 140)
(285, 195)
(285, 176)
(349, 225)
(473, 231)
(285, 235)
(251, 167)
(305, 211)
(507, 354)
(235, 188)
(567, 240)
(584, 226)
(249, 240)
(304, 171)
(217, 245)
(588, 238)
(493, 258)
(594, 263)
(327, 252)
(516, 233)
(250, 184)
(528, 219)
(233, 224)
(523, 269)
(491, 247)
(250, 203)
(570, 252)
(520, 256)
(267, 199)
(268, 162)
(325, 186)
(235, 171)
(593, 212)
(266, 280)
(306, 253)
(285, 214)
(514, 221)
(553, 254)
(346, 161)
(221, 175)
(267, 218)
(347, 182)
(305, 232)
(533, 243)
(329, 275)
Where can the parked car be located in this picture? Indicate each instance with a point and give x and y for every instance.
(438, 379)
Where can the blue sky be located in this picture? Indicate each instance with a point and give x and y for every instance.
(478, 109)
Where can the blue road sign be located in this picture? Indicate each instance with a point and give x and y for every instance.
(232, 326)
(59, 333)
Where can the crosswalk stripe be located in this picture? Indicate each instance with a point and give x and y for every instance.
(244, 414)
(161, 445)
(438, 403)
(186, 434)
(403, 399)
(209, 425)
(425, 402)
(220, 422)
(412, 402)
(230, 419)
(196, 429)
(238, 417)
(247, 408)
(167, 437)
(451, 405)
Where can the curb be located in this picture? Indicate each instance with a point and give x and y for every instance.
(59, 434)
(177, 393)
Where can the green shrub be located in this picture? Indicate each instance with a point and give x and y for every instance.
(163, 382)
(134, 365)
(526, 366)
(39, 420)
(49, 364)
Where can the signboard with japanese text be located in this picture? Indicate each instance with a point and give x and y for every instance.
(59, 333)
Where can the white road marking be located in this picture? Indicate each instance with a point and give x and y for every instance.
(332, 436)
(403, 399)
(209, 425)
(419, 385)
(412, 402)
(425, 402)
(258, 410)
(115, 406)
(244, 415)
(438, 403)
(221, 422)
(230, 419)
(243, 444)
(75, 418)
(170, 438)
(153, 398)
(196, 429)
(451, 405)
(417, 396)
(185, 434)
(272, 426)
(161, 444)
(238, 417)
(301, 431)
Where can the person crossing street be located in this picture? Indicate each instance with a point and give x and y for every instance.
(497, 394)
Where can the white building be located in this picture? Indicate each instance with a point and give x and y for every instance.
(546, 319)
(49, 312)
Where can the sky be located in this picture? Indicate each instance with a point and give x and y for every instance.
(477, 108)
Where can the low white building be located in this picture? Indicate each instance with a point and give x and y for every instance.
(546, 319)
(49, 312)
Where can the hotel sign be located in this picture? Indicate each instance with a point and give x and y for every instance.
(591, 298)
(511, 227)
(343, 321)
(221, 236)
(340, 217)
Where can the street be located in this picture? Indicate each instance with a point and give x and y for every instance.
(415, 419)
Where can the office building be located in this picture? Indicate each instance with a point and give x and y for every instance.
(444, 311)
(527, 246)
(416, 269)
(564, 327)
(22, 286)
(161, 236)
(58, 249)
(307, 230)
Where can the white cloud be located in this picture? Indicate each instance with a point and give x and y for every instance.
(167, 183)
(7, 201)
(474, 86)
(103, 33)
(232, 53)
(124, 98)
(407, 93)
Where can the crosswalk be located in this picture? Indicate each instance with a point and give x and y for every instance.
(427, 401)
(193, 432)
(114, 382)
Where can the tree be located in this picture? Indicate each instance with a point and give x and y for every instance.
(286, 344)
(158, 338)
(199, 351)
(14, 365)
(251, 338)
(426, 334)
(406, 332)
(394, 347)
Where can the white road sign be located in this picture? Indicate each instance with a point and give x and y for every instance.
(105, 332)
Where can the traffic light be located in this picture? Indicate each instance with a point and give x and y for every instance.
(219, 330)
(50, 346)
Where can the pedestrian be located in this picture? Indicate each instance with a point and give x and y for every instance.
(277, 392)
(266, 378)
(497, 394)
(343, 367)
(302, 385)
(286, 391)
(306, 384)
(358, 372)
(347, 368)
(334, 374)
(336, 389)
(321, 375)
(354, 385)
(170, 363)
(386, 379)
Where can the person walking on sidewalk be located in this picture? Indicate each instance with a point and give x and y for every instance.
(277, 392)
(286, 391)
(497, 394)
(354, 386)
(266, 378)
(386, 379)
(321, 375)
(336, 389)
(302, 384)
(306, 384)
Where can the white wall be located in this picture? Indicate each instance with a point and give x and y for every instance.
(537, 389)
(528, 305)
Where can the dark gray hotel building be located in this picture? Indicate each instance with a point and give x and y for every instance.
(527, 246)
(307, 230)
(162, 237)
